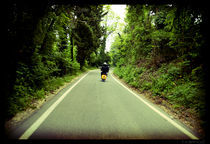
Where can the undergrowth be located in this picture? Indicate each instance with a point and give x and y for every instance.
(173, 81)
(24, 94)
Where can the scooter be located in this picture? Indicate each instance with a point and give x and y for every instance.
(103, 77)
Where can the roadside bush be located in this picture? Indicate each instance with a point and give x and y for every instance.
(118, 72)
(169, 81)
(174, 71)
(188, 94)
(39, 94)
(162, 84)
(40, 74)
(197, 74)
(146, 85)
(140, 70)
(19, 100)
(135, 84)
(130, 74)
(75, 66)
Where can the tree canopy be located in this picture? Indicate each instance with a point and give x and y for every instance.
(48, 40)
(162, 51)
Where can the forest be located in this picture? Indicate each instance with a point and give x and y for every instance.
(48, 43)
(161, 50)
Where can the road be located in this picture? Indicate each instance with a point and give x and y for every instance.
(91, 109)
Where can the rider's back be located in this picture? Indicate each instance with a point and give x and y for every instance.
(105, 68)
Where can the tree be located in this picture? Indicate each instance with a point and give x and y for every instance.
(88, 40)
(107, 30)
(46, 41)
(161, 51)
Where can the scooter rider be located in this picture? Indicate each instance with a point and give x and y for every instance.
(104, 68)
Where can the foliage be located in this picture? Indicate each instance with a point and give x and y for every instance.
(159, 51)
(48, 43)
(187, 95)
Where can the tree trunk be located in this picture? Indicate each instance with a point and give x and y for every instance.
(72, 48)
(46, 35)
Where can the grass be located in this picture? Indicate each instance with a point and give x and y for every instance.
(24, 95)
(175, 82)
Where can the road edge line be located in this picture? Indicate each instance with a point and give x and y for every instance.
(40, 120)
(186, 132)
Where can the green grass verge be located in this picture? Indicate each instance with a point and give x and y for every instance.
(25, 95)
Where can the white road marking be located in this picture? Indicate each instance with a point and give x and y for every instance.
(160, 113)
(39, 121)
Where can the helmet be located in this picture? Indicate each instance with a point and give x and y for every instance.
(105, 64)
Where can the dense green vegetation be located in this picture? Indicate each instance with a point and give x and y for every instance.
(48, 43)
(161, 51)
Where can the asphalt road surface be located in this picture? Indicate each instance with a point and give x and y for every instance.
(91, 109)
